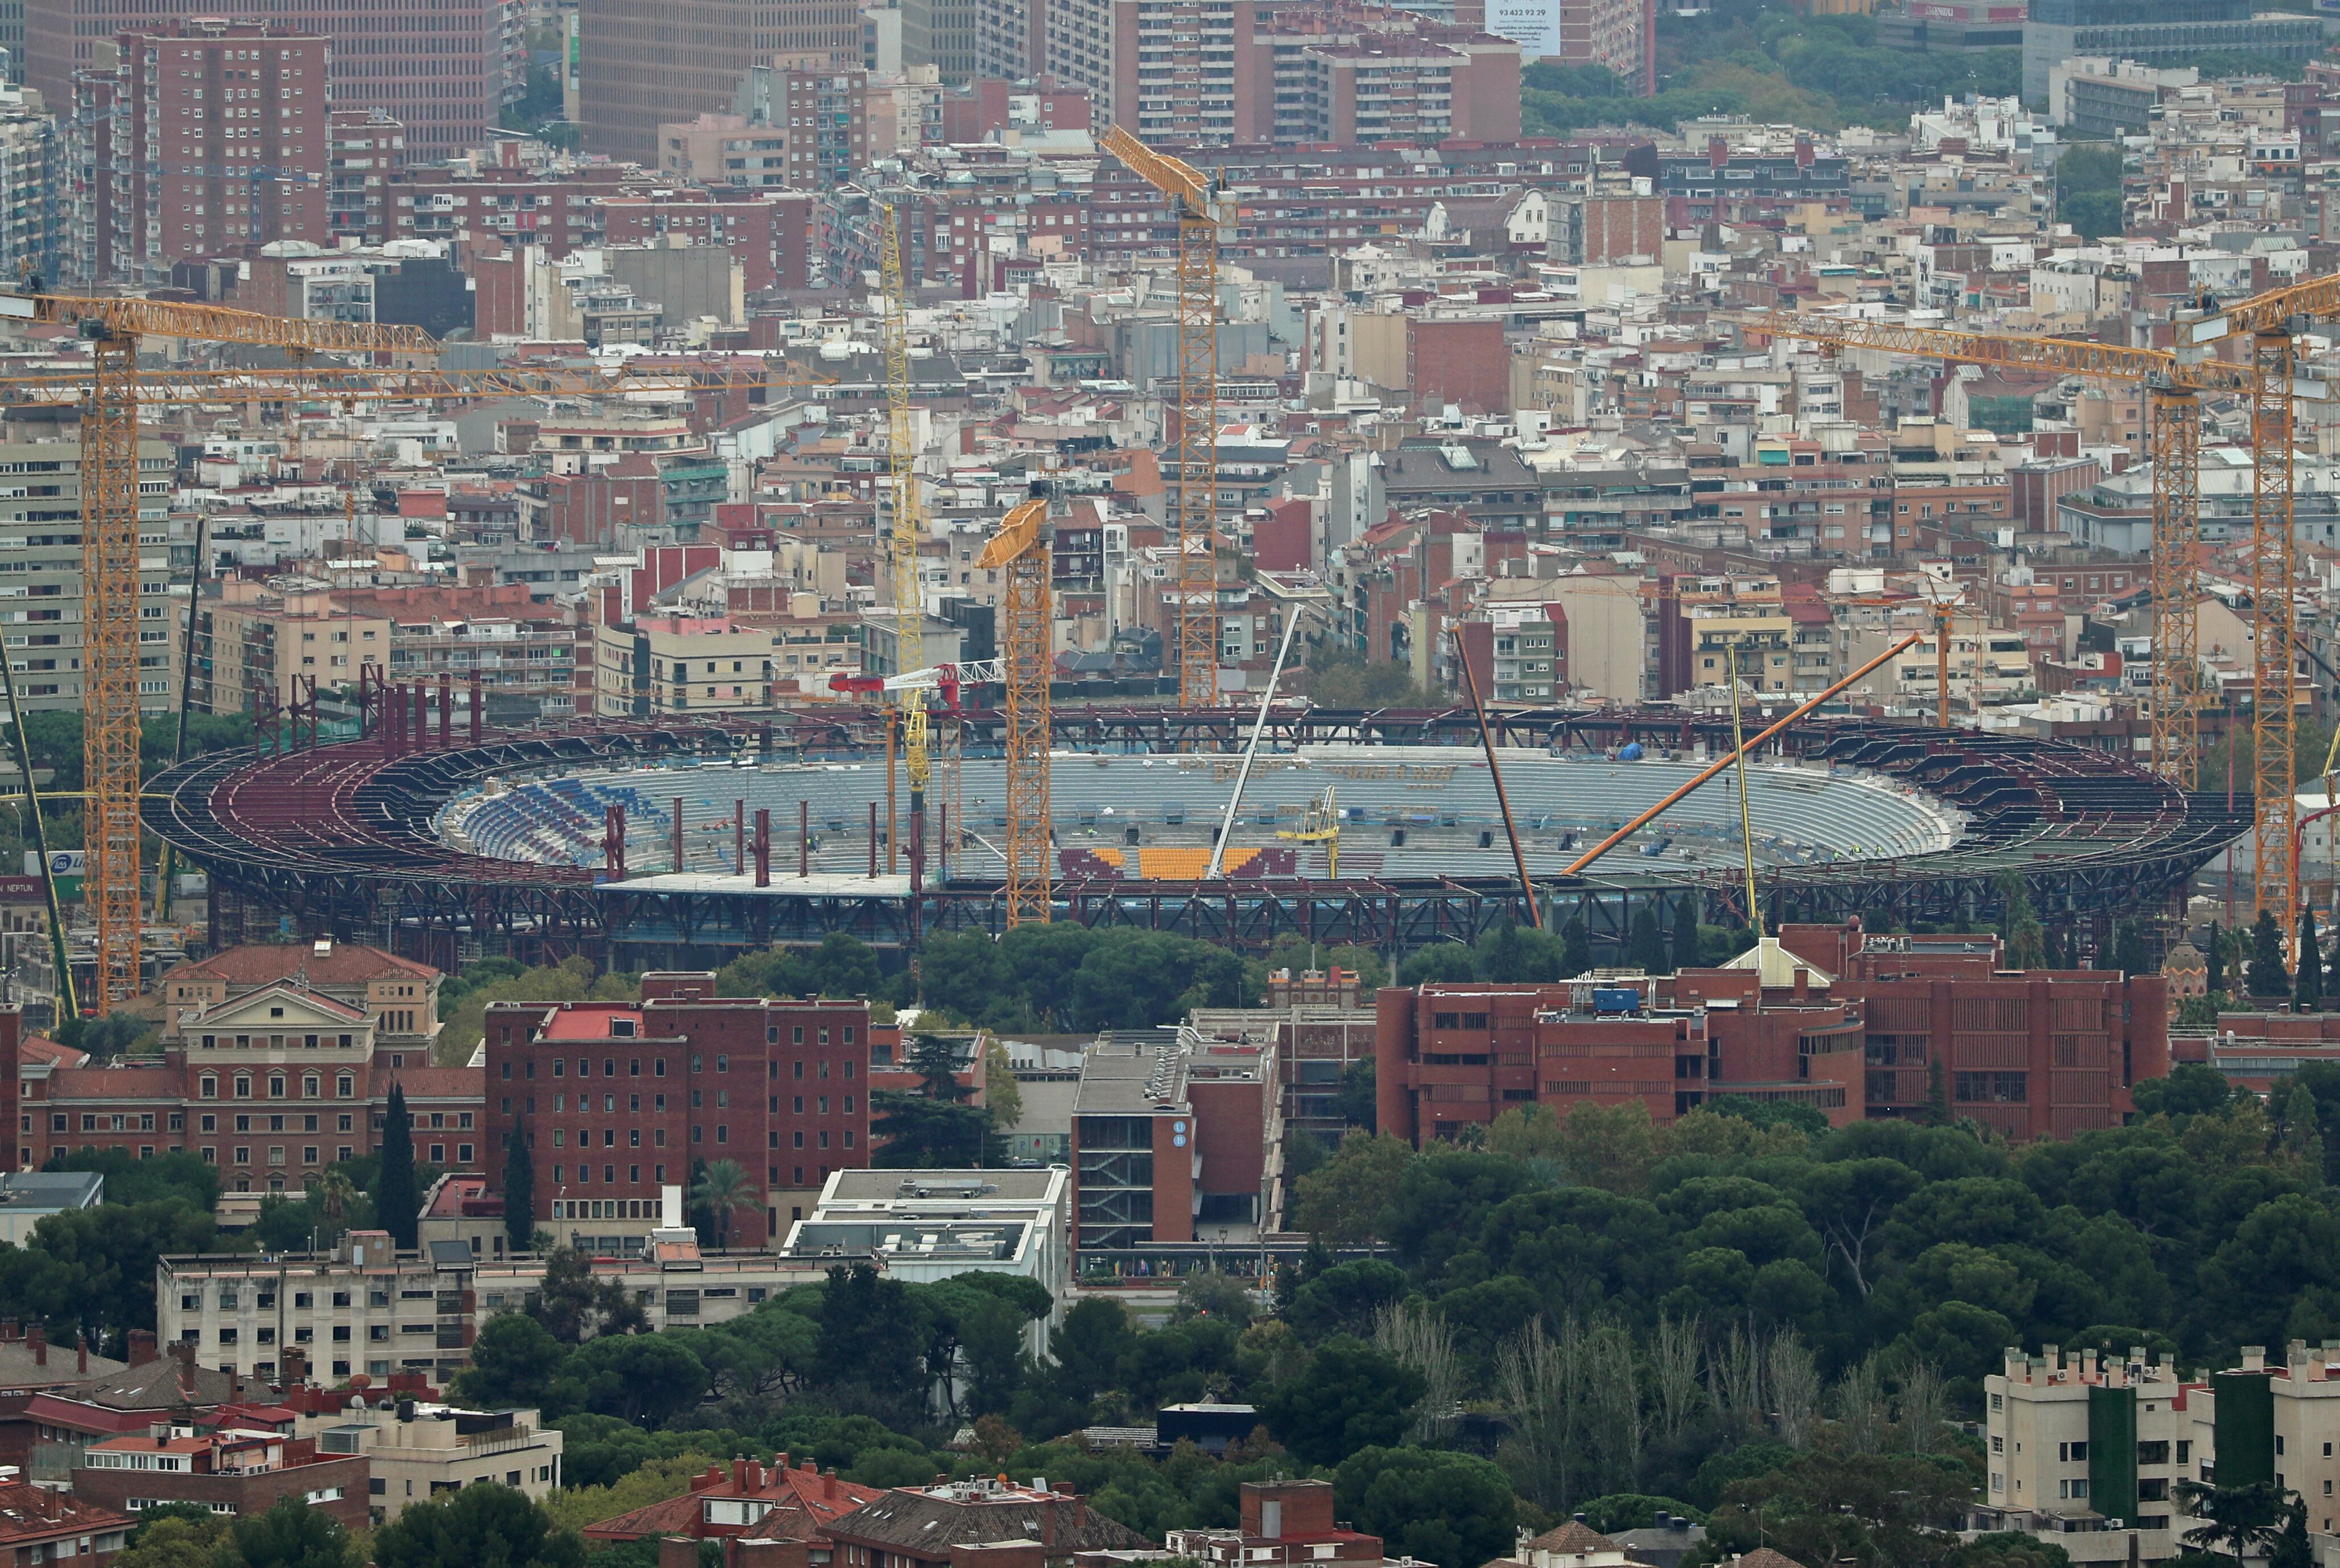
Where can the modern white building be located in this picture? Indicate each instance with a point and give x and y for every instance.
(924, 1226)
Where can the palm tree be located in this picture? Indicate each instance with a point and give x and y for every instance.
(723, 1190)
(335, 1190)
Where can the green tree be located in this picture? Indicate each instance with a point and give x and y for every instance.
(1575, 947)
(290, 1534)
(477, 1527)
(2020, 924)
(1002, 1095)
(913, 1133)
(1686, 944)
(873, 1336)
(514, 1361)
(573, 1306)
(2308, 992)
(1438, 1506)
(175, 1535)
(1645, 950)
(1343, 1202)
(722, 1190)
(2130, 954)
(935, 1060)
(2089, 190)
(1350, 1396)
(519, 1191)
(645, 1378)
(2269, 976)
(2243, 1519)
(2008, 1549)
(397, 1201)
(2215, 955)
(1612, 1147)
(130, 1180)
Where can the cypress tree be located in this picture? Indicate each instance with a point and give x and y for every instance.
(2213, 959)
(1575, 949)
(2268, 976)
(1646, 949)
(397, 1202)
(1686, 953)
(2308, 990)
(519, 1190)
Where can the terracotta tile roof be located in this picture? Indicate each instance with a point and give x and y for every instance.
(433, 1083)
(1575, 1537)
(165, 1080)
(804, 1501)
(348, 964)
(41, 1048)
(925, 1523)
(29, 1512)
(1764, 1557)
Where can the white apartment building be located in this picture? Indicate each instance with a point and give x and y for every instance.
(2091, 1453)
(368, 1307)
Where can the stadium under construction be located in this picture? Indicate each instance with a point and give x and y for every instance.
(683, 842)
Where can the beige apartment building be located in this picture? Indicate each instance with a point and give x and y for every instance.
(2090, 1452)
(676, 664)
(417, 1452)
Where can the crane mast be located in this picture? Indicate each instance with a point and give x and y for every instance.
(902, 447)
(1196, 581)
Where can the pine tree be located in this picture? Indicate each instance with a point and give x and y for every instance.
(397, 1203)
(1686, 954)
(2303, 1129)
(1575, 949)
(2308, 990)
(519, 1190)
(1646, 951)
(2268, 974)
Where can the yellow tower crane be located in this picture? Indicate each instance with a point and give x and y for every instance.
(110, 569)
(1196, 202)
(1019, 552)
(907, 531)
(2173, 382)
(109, 397)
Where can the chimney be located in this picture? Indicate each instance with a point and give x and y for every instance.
(142, 1346)
(740, 1476)
(828, 1484)
(184, 1354)
(39, 1340)
(80, 1354)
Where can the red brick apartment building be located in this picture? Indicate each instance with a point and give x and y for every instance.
(38, 1526)
(241, 1467)
(1824, 1016)
(618, 1099)
(277, 1062)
